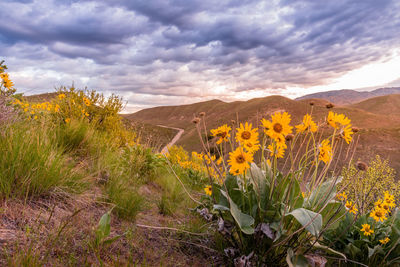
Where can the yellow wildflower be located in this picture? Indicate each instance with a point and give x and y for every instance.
(366, 229)
(67, 120)
(346, 133)
(335, 120)
(252, 147)
(325, 151)
(342, 196)
(87, 101)
(222, 132)
(384, 241)
(307, 125)
(245, 134)
(351, 207)
(277, 149)
(278, 127)
(239, 161)
(208, 190)
(389, 199)
(61, 96)
(378, 214)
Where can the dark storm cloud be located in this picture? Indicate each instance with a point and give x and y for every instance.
(189, 48)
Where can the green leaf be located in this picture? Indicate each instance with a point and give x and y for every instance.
(258, 179)
(105, 224)
(220, 207)
(325, 192)
(296, 260)
(244, 221)
(312, 221)
(372, 251)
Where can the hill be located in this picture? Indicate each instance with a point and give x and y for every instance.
(389, 104)
(379, 134)
(346, 96)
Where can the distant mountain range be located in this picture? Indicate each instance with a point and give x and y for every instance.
(346, 96)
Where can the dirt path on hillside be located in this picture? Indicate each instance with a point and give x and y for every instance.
(174, 140)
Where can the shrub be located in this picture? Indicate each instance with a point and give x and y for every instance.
(364, 187)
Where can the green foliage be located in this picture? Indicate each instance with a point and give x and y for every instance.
(32, 164)
(368, 250)
(172, 196)
(365, 187)
(265, 220)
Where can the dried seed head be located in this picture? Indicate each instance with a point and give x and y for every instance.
(311, 103)
(289, 137)
(355, 129)
(233, 121)
(196, 120)
(202, 114)
(362, 166)
(330, 105)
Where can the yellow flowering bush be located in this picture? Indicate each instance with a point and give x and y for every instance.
(194, 167)
(365, 187)
(82, 105)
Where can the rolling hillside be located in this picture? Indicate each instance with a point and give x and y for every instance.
(379, 125)
(346, 97)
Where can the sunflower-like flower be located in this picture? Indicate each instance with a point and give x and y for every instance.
(252, 147)
(239, 161)
(208, 190)
(245, 134)
(378, 214)
(384, 241)
(307, 125)
(222, 132)
(277, 149)
(6, 81)
(278, 127)
(342, 196)
(346, 133)
(336, 120)
(61, 96)
(351, 207)
(325, 151)
(87, 101)
(366, 229)
(389, 199)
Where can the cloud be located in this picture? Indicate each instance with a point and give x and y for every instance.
(180, 51)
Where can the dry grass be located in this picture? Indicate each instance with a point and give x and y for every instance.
(59, 230)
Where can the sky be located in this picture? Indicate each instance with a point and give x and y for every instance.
(172, 52)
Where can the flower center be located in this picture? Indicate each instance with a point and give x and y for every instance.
(246, 135)
(222, 135)
(240, 159)
(378, 213)
(278, 127)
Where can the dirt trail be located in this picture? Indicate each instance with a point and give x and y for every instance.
(174, 140)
